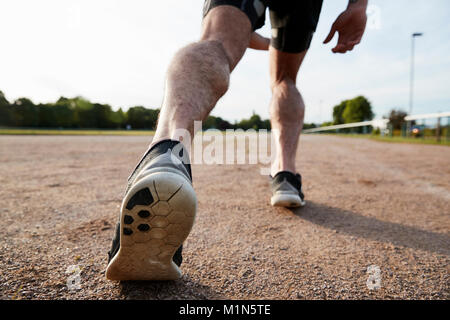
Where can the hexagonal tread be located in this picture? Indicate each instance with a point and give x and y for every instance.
(159, 222)
(144, 214)
(162, 208)
(143, 227)
(128, 219)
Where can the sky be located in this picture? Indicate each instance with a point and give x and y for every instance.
(117, 52)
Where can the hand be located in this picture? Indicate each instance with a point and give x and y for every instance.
(351, 25)
(258, 42)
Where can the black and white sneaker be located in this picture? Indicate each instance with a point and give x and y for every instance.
(287, 190)
(156, 216)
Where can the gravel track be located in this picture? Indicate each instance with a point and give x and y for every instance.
(368, 203)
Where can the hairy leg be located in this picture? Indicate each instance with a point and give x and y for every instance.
(287, 108)
(199, 73)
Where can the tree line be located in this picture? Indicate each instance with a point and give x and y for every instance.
(78, 112)
(73, 113)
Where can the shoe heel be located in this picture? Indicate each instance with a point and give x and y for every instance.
(157, 215)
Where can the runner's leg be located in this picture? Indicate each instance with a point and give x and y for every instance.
(199, 73)
(286, 107)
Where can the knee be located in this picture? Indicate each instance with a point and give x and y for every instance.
(284, 87)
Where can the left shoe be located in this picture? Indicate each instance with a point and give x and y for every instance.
(156, 216)
(287, 190)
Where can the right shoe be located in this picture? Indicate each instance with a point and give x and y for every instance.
(287, 190)
(156, 216)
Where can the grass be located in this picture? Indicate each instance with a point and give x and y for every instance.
(427, 140)
(80, 132)
(93, 132)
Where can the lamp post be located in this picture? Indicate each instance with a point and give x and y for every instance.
(411, 80)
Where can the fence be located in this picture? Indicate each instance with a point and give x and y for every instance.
(365, 124)
(424, 126)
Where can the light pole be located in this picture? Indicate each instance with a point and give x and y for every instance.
(411, 80)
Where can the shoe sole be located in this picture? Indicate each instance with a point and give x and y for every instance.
(156, 217)
(289, 200)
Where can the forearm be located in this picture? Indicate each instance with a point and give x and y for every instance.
(258, 42)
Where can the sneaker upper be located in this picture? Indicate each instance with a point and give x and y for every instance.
(166, 155)
(286, 181)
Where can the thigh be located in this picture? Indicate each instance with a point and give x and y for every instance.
(293, 24)
(254, 9)
(230, 25)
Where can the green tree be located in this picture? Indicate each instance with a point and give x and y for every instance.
(255, 122)
(327, 124)
(309, 126)
(65, 116)
(25, 113)
(3, 100)
(142, 118)
(357, 110)
(84, 116)
(397, 118)
(67, 113)
(338, 112)
(102, 114)
(118, 119)
(5, 111)
(212, 122)
(354, 110)
(47, 116)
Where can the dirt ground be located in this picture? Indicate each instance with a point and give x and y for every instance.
(368, 203)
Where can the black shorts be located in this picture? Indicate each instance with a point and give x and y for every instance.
(293, 22)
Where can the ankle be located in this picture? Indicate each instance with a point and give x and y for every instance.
(278, 167)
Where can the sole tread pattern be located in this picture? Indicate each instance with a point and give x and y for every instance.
(162, 209)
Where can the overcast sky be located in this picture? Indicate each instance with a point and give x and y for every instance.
(117, 52)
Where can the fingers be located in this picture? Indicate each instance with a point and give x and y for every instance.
(345, 45)
(342, 48)
(356, 40)
(331, 34)
(347, 39)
